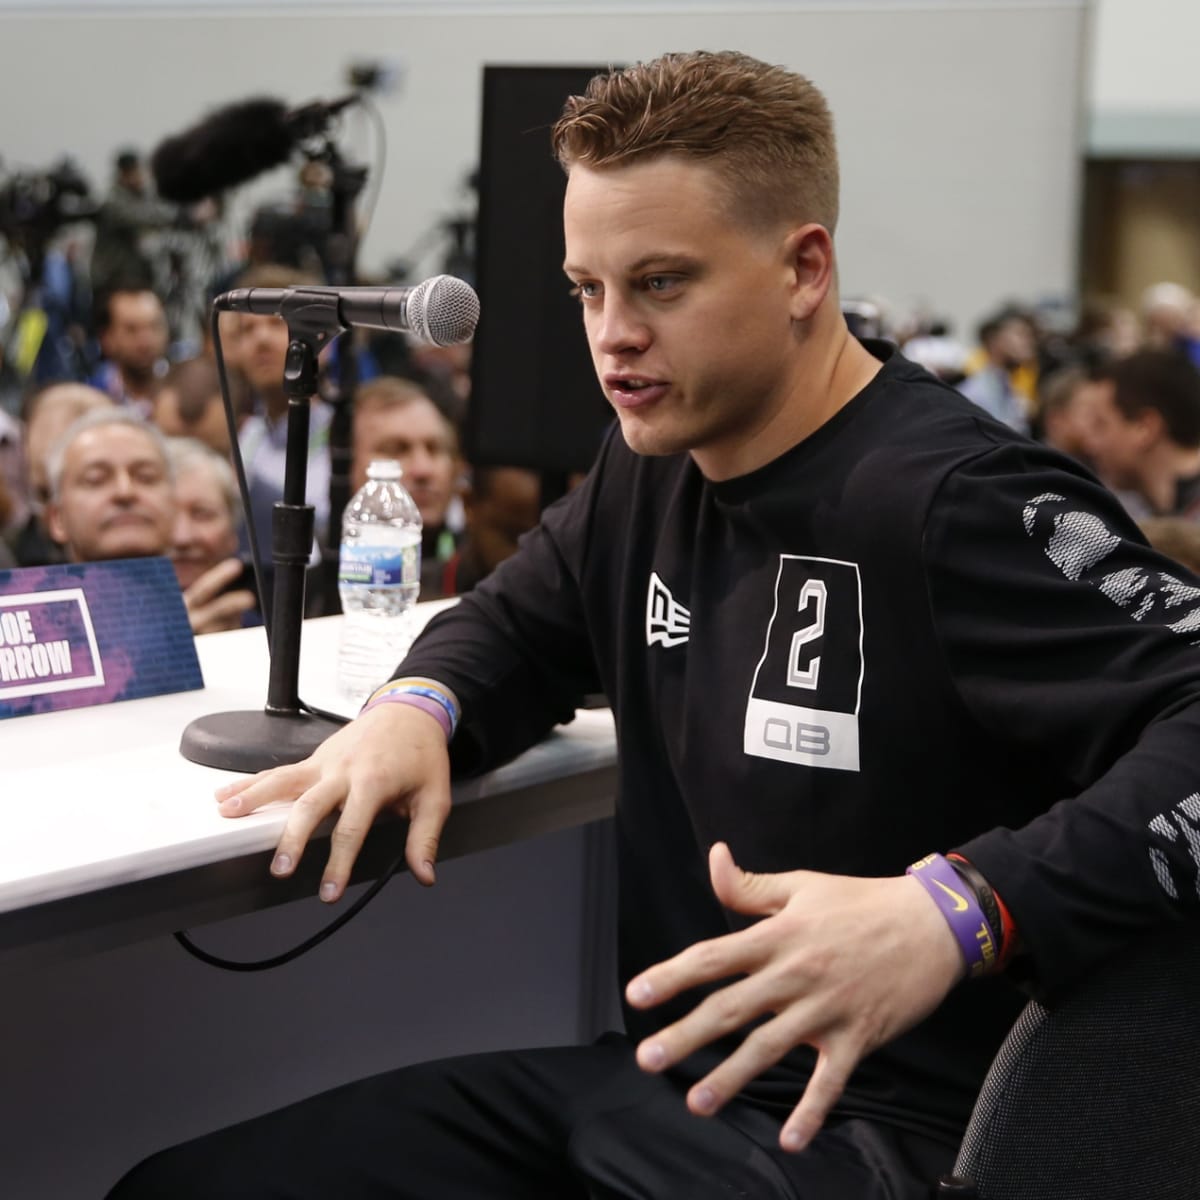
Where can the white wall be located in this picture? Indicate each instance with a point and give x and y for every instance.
(1144, 88)
(960, 186)
(1144, 55)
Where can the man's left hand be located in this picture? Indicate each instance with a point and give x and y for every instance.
(839, 963)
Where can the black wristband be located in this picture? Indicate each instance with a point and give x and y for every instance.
(982, 889)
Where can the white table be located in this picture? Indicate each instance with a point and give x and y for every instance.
(116, 1043)
(111, 835)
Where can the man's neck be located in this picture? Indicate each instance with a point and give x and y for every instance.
(831, 366)
(135, 382)
(274, 404)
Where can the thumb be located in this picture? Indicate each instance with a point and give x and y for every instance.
(743, 891)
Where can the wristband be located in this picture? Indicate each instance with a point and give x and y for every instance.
(434, 709)
(962, 911)
(415, 685)
(994, 908)
(982, 889)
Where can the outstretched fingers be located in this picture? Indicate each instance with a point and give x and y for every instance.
(835, 1062)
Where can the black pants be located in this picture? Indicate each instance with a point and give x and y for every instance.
(579, 1123)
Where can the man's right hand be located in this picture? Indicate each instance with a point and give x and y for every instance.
(394, 756)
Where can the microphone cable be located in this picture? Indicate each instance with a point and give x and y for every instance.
(183, 938)
(309, 943)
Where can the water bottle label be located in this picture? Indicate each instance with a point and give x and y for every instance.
(378, 566)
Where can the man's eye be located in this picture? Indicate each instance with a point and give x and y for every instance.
(585, 291)
(660, 283)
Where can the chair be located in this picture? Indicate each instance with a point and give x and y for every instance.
(1098, 1097)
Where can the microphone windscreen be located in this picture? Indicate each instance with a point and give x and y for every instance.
(443, 310)
(230, 146)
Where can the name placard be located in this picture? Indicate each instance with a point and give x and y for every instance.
(93, 633)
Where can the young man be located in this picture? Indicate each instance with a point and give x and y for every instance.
(396, 418)
(132, 328)
(1143, 432)
(846, 622)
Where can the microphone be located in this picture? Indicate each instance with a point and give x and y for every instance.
(234, 144)
(442, 310)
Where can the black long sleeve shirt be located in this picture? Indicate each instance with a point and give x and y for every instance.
(914, 631)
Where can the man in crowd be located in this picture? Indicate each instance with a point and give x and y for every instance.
(905, 707)
(260, 352)
(13, 476)
(1008, 344)
(500, 505)
(1064, 420)
(188, 404)
(204, 541)
(110, 489)
(48, 414)
(1144, 432)
(112, 496)
(132, 329)
(396, 418)
(129, 214)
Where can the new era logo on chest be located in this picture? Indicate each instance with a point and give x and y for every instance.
(667, 621)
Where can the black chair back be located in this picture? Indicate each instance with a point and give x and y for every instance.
(1099, 1097)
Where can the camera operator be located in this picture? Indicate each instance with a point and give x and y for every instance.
(128, 214)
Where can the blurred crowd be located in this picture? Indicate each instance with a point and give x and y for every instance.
(115, 440)
(1117, 389)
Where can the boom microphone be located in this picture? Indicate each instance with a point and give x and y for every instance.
(442, 310)
(234, 144)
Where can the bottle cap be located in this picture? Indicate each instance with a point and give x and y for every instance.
(384, 468)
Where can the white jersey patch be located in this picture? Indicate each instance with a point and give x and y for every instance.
(804, 699)
(667, 621)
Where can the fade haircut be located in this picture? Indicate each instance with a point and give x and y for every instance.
(767, 132)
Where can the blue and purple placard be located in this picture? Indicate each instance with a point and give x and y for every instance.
(93, 633)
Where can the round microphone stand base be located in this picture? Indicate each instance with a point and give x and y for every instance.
(254, 740)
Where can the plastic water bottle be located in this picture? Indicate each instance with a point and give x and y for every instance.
(379, 576)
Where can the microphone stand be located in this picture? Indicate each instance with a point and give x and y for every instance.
(283, 732)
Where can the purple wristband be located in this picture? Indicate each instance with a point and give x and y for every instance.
(432, 707)
(957, 903)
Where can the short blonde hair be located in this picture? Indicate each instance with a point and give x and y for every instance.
(766, 131)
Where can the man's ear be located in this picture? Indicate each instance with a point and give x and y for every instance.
(809, 251)
(1149, 427)
(54, 522)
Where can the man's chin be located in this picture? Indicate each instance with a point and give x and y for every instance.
(648, 441)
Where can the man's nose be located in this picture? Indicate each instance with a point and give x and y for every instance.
(617, 328)
(420, 464)
(124, 485)
(181, 531)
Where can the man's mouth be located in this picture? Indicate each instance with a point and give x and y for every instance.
(128, 518)
(635, 391)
